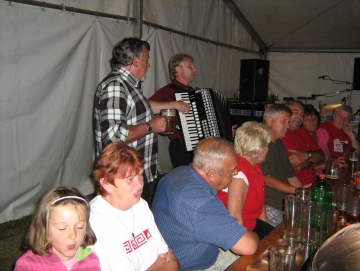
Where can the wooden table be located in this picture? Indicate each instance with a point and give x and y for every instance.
(266, 242)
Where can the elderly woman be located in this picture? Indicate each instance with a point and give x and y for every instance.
(127, 236)
(245, 198)
(311, 123)
(340, 131)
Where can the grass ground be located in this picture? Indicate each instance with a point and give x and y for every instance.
(12, 235)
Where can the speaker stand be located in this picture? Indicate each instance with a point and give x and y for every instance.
(252, 111)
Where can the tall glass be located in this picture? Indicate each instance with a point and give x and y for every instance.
(353, 163)
(302, 195)
(291, 222)
(343, 194)
(327, 222)
(353, 210)
(332, 173)
(309, 233)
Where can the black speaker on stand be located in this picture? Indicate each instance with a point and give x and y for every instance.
(254, 81)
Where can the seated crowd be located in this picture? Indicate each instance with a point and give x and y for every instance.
(188, 227)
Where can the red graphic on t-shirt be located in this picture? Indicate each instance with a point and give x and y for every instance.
(134, 244)
(127, 246)
(147, 234)
(137, 241)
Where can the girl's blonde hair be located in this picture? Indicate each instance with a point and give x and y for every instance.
(37, 238)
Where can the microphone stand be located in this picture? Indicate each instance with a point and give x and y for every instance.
(329, 93)
(326, 77)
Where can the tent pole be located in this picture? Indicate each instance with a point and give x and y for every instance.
(45, 5)
(138, 15)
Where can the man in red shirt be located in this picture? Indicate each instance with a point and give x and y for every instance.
(302, 148)
(340, 131)
(182, 73)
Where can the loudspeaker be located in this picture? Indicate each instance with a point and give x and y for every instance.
(356, 76)
(254, 80)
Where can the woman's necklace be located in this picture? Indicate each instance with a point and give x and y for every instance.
(130, 217)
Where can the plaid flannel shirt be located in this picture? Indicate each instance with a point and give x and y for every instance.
(119, 104)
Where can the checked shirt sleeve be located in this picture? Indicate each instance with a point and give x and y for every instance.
(111, 107)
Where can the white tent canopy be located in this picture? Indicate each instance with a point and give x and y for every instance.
(51, 61)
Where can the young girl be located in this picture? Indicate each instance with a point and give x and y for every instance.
(59, 233)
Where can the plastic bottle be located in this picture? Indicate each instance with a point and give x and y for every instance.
(321, 191)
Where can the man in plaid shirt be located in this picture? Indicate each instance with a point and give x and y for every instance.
(123, 113)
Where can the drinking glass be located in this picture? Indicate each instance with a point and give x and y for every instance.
(327, 223)
(353, 210)
(332, 173)
(303, 194)
(353, 162)
(309, 234)
(291, 222)
(170, 115)
(343, 194)
(282, 258)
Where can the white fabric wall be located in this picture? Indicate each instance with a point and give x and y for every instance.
(50, 64)
(296, 74)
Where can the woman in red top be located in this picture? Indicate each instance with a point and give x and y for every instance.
(245, 196)
(340, 131)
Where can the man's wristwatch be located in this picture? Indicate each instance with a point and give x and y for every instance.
(149, 128)
(309, 155)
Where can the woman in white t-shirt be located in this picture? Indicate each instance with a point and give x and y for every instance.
(127, 236)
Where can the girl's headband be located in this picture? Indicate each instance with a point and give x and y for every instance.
(69, 197)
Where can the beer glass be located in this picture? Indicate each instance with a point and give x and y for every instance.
(332, 173)
(328, 220)
(170, 115)
(303, 194)
(291, 222)
(282, 258)
(353, 210)
(353, 162)
(343, 194)
(309, 235)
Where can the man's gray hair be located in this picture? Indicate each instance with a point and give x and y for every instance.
(209, 153)
(345, 108)
(293, 102)
(125, 50)
(273, 110)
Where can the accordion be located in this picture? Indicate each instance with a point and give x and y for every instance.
(209, 115)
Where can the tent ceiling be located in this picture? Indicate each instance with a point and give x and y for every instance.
(307, 25)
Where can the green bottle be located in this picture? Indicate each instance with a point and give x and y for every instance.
(321, 191)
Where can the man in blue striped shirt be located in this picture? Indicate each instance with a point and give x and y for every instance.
(192, 220)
